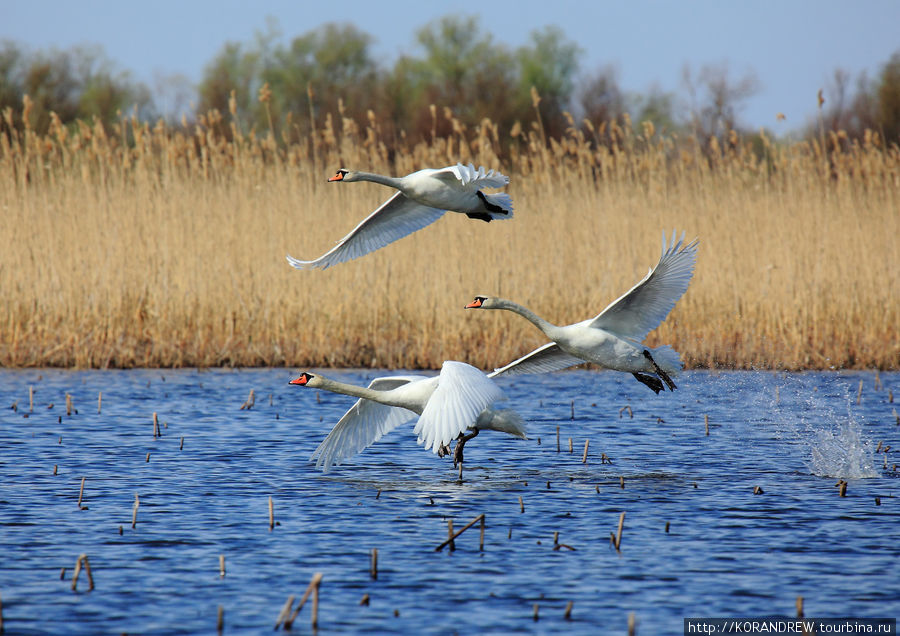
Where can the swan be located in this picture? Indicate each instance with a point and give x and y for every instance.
(422, 199)
(448, 405)
(613, 338)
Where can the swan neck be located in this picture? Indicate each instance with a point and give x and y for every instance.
(392, 182)
(348, 389)
(527, 314)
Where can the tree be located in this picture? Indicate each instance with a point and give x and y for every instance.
(888, 98)
(548, 64)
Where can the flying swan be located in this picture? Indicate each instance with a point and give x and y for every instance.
(613, 338)
(422, 199)
(458, 400)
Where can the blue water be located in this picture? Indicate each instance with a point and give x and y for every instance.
(728, 552)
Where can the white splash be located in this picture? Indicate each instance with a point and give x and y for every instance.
(842, 452)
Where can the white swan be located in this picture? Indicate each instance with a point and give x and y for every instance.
(422, 199)
(448, 405)
(613, 338)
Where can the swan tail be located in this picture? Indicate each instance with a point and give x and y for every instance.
(667, 358)
(502, 420)
(499, 206)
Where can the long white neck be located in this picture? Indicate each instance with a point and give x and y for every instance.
(392, 182)
(382, 397)
(548, 328)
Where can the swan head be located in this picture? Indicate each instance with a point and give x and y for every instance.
(343, 175)
(481, 302)
(304, 380)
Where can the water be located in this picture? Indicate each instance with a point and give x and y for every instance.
(728, 552)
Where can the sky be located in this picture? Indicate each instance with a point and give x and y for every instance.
(793, 47)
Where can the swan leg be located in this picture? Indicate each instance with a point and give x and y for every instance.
(649, 380)
(662, 374)
(491, 207)
(443, 450)
(481, 216)
(460, 444)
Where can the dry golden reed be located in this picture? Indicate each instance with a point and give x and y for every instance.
(145, 245)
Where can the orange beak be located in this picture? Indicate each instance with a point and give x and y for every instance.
(301, 380)
(475, 304)
(338, 177)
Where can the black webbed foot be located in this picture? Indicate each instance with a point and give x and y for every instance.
(460, 444)
(649, 380)
(662, 374)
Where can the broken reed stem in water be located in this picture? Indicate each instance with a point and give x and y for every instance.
(81, 492)
(631, 624)
(557, 439)
(134, 509)
(220, 619)
(481, 537)
(567, 615)
(31, 399)
(450, 539)
(312, 588)
(373, 568)
(799, 607)
(627, 407)
(99, 402)
(68, 404)
(859, 392)
(221, 565)
(82, 559)
(521, 504)
(285, 611)
(251, 400)
(584, 457)
(619, 532)
(706, 424)
(572, 416)
(155, 425)
(271, 515)
(571, 448)
(842, 488)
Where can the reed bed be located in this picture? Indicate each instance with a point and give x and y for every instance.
(150, 245)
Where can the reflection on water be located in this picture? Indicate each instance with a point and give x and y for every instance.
(696, 540)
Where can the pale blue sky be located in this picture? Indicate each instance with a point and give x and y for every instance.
(792, 46)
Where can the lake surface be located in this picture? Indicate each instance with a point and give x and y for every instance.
(727, 552)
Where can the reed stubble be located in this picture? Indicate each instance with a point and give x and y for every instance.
(170, 253)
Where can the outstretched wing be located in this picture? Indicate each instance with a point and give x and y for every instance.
(544, 359)
(462, 393)
(397, 217)
(473, 179)
(364, 424)
(640, 310)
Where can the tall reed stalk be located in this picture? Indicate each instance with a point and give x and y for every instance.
(151, 245)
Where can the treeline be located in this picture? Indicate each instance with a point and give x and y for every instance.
(294, 88)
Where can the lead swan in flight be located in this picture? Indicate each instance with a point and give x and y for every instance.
(613, 339)
(449, 405)
(421, 199)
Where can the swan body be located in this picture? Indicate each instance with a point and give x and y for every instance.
(458, 400)
(613, 338)
(421, 199)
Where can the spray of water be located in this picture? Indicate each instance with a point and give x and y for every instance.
(835, 441)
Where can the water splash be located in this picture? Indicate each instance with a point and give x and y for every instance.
(833, 442)
(842, 452)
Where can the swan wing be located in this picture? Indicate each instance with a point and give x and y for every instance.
(364, 424)
(472, 179)
(397, 217)
(545, 359)
(640, 310)
(462, 393)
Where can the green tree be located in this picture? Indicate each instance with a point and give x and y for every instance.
(888, 98)
(548, 63)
